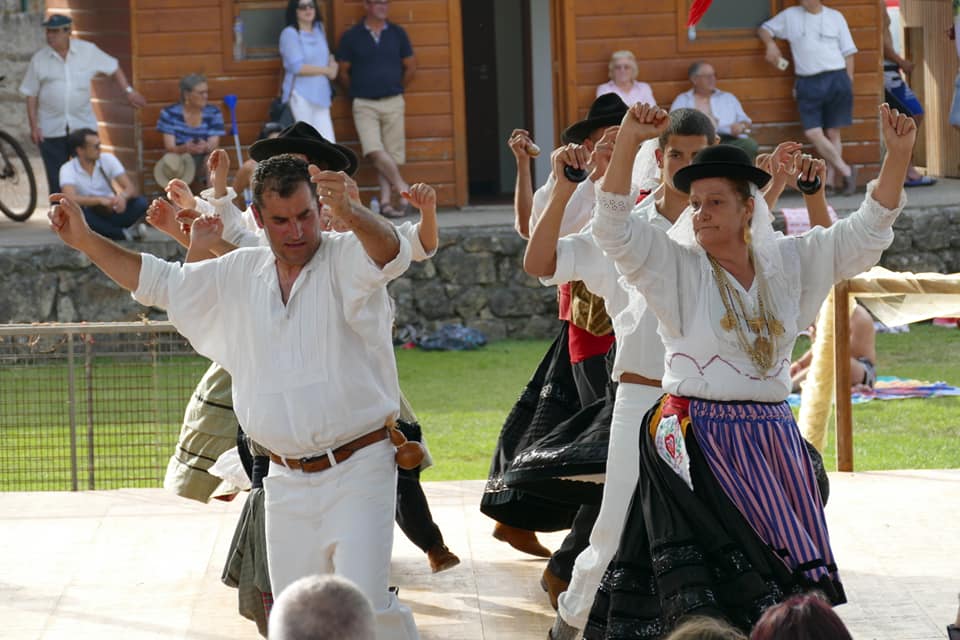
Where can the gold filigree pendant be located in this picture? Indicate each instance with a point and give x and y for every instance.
(728, 322)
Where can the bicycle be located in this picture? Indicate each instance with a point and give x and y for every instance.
(18, 186)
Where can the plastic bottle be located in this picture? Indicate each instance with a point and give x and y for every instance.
(375, 204)
(239, 47)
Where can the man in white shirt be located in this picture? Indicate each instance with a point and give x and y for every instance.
(57, 87)
(304, 328)
(726, 112)
(823, 51)
(99, 184)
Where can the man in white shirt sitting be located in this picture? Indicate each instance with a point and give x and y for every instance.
(304, 328)
(823, 51)
(726, 112)
(100, 185)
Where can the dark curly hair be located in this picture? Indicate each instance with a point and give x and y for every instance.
(282, 174)
(688, 122)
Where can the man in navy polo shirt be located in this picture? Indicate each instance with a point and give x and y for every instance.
(376, 63)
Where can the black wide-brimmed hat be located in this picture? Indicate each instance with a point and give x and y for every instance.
(606, 111)
(300, 137)
(720, 161)
(56, 21)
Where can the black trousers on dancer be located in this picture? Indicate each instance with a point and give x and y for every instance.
(413, 513)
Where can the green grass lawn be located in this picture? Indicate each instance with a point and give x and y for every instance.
(461, 398)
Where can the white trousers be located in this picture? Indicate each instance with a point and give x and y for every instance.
(339, 521)
(623, 469)
(316, 117)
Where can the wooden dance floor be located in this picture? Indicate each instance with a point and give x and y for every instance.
(143, 564)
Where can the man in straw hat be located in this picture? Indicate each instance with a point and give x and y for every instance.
(316, 381)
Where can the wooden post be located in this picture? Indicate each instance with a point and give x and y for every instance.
(841, 342)
(938, 67)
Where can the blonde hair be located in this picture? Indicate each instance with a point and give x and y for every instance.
(702, 628)
(624, 55)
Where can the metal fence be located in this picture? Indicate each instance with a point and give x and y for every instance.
(91, 406)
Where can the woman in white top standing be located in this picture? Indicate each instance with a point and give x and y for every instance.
(308, 67)
(623, 72)
(726, 517)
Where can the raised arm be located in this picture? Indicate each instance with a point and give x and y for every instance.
(121, 265)
(540, 258)
(521, 145)
(424, 198)
(377, 235)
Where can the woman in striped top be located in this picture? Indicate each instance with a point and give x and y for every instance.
(192, 125)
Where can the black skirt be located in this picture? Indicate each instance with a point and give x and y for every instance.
(687, 553)
(547, 401)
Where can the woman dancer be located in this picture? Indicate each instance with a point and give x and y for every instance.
(726, 517)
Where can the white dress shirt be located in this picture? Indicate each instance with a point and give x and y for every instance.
(579, 208)
(725, 107)
(62, 87)
(819, 41)
(702, 360)
(105, 169)
(310, 374)
(580, 258)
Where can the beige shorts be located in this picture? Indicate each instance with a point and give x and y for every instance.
(380, 126)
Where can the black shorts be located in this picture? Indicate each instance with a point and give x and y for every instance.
(825, 100)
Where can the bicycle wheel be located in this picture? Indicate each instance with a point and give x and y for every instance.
(18, 187)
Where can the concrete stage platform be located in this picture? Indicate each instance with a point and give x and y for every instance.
(143, 564)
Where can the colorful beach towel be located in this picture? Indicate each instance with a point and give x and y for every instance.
(894, 388)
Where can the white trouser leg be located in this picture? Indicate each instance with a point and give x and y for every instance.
(317, 117)
(623, 468)
(339, 521)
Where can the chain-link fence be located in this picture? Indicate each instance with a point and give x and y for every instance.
(91, 406)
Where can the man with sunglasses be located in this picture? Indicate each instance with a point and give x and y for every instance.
(376, 65)
(57, 88)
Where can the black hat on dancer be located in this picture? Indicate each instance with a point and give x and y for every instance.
(720, 161)
(606, 111)
(300, 137)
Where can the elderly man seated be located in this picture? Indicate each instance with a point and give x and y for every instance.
(732, 123)
(100, 185)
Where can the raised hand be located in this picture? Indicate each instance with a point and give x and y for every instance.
(422, 196)
(572, 155)
(186, 218)
(353, 190)
(642, 122)
(809, 168)
(332, 190)
(205, 233)
(218, 167)
(899, 130)
(522, 145)
(66, 219)
(179, 194)
(602, 152)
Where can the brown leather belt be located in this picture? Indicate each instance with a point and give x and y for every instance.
(316, 464)
(636, 378)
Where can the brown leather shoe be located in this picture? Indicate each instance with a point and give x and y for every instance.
(441, 558)
(521, 540)
(553, 585)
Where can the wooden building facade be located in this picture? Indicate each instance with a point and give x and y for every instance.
(484, 67)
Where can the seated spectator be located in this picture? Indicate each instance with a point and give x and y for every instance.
(863, 353)
(702, 628)
(728, 116)
(623, 80)
(192, 126)
(327, 607)
(800, 618)
(100, 185)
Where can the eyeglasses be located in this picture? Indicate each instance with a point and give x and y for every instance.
(305, 6)
(378, 1)
(200, 93)
(705, 75)
(623, 66)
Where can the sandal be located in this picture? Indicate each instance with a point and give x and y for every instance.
(388, 211)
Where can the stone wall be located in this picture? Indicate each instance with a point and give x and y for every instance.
(476, 278)
(21, 36)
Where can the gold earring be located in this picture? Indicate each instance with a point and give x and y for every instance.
(747, 236)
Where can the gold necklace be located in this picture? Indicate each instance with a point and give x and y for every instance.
(762, 350)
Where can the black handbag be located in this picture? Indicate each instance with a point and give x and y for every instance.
(280, 112)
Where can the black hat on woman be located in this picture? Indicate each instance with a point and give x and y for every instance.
(720, 161)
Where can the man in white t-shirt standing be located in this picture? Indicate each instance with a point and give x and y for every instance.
(100, 185)
(57, 87)
(823, 51)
